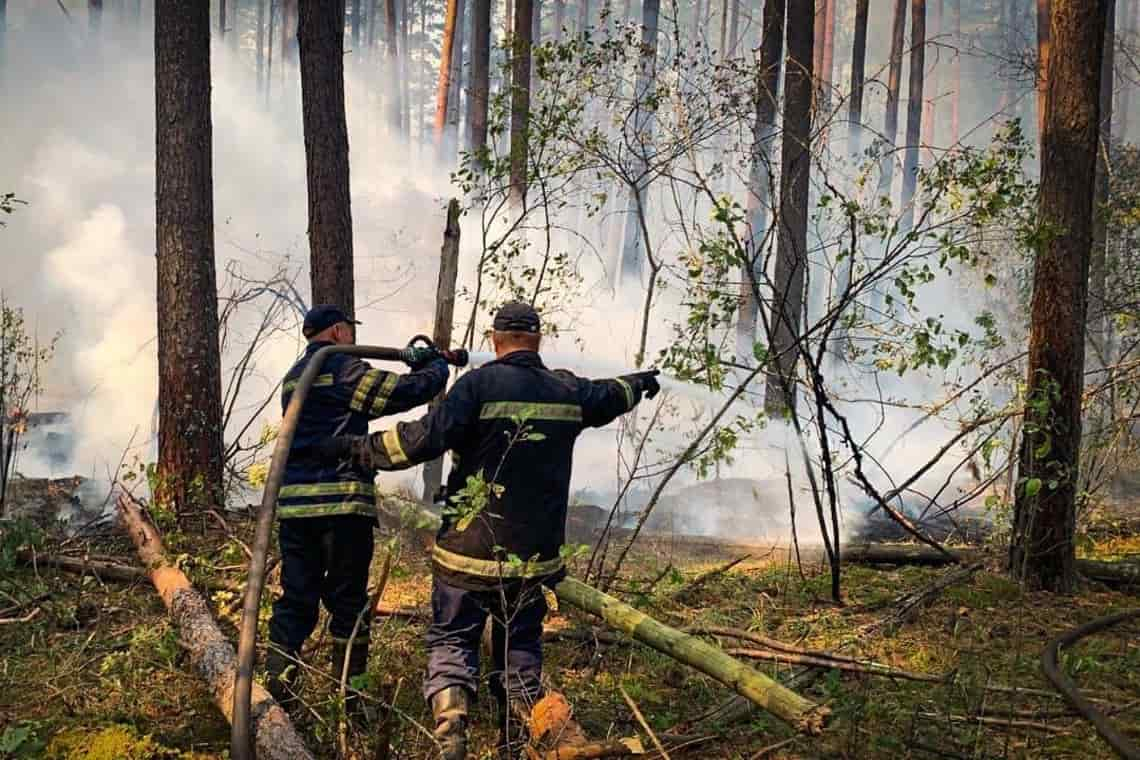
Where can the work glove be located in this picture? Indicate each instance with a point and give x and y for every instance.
(646, 382)
(421, 356)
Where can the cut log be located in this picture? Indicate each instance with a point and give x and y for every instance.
(210, 652)
(108, 571)
(1112, 573)
(800, 713)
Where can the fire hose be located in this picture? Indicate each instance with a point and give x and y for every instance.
(417, 350)
(1120, 743)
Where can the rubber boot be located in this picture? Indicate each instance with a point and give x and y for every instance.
(281, 673)
(449, 706)
(514, 723)
(357, 665)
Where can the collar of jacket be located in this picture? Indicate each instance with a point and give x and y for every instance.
(315, 346)
(520, 359)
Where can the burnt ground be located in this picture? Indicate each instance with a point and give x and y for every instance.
(98, 672)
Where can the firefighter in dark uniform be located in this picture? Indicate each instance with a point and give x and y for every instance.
(327, 510)
(511, 427)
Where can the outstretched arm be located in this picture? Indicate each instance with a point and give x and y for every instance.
(603, 401)
(376, 392)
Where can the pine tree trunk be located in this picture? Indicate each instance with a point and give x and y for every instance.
(791, 247)
(955, 71)
(405, 61)
(270, 34)
(1098, 265)
(583, 17)
(261, 44)
(95, 15)
(3, 34)
(392, 57)
(930, 87)
(559, 19)
(320, 35)
(1124, 108)
(894, 83)
(289, 31)
(827, 59)
(480, 77)
(1044, 50)
(189, 374)
(443, 90)
(1042, 545)
(858, 67)
(520, 100)
(222, 19)
(734, 28)
(356, 6)
(632, 257)
(914, 108)
(508, 17)
(763, 130)
(451, 136)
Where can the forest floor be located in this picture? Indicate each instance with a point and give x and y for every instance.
(98, 674)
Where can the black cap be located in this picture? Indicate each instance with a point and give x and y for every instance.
(516, 316)
(322, 317)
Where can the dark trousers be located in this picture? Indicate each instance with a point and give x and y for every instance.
(323, 560)
(458, 617)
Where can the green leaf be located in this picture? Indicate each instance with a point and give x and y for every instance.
(1032, 487)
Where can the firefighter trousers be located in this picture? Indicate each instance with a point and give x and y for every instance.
(324, 560)
(458, 617)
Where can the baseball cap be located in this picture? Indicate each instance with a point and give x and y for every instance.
(322, 317)
(517, 316)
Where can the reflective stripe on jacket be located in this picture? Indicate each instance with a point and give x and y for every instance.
(511, 427)
(345, 396)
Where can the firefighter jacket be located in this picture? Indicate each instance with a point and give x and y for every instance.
(511, 427)
(345, 396)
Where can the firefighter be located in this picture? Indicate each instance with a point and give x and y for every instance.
(327, 511)
(510, 427)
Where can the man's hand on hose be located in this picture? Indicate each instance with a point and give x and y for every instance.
(646, 382)
(422, 356)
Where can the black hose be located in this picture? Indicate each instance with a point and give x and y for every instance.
(1124, 746)
(241, 747)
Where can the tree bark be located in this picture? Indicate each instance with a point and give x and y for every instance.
(914, 109)
(261, 44)
(210, 652)
(95, 15)
(1044, 49)
(1098, 264)
(320, 34)
(443, 90)
(520, 100)
(289, 20)
(930, 87)
(734, 28)
(391, 54)
(791, 246)
(799, 713)
(826, 60)
(1042, 546)
(356, 9)
(222, 18)
(444, 317)
(894, 83)
(632, 256)
(1124, 108)
(759, 177)
(559, 19)
(451, 135)
(480, 78)
(583, 18)
(955, 71)
(189, 372)
(858, 67)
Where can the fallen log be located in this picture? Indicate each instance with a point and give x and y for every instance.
(210, 652)
(1123, 572)
(800, 713)
(111, 571)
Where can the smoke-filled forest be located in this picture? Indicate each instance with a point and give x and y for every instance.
(559, 379)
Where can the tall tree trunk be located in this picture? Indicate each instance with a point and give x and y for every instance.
(222, 18)
(1044, 51)
(791, 247)
(695, 34)
(3, 35)
(356, 10)
(520, 100)
(95, 15)
(894, 83)
(320, 35)
(827, 58)
(1098, 265)
(508, 17)
(930, 87)
(370, 30)
(269, 51)
(451, 137)
(955, 71)
(632, 258)
(723, 48)
(443, 90)
(1042, 545)
(858, 67)
(405, 59)
(1124, 109)
(480, 77)
(189, 369)
(559, 19)
(763, 130)
(289, 31)
(392, 58)
(734, 28)
(261, 43)
(914, 106)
